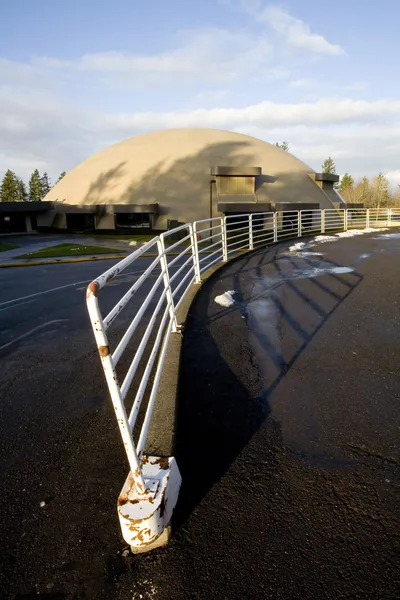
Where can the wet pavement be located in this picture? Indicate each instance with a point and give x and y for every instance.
(288, 437)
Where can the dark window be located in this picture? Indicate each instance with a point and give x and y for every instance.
(80, 222)
(12, 222)
(133, 220)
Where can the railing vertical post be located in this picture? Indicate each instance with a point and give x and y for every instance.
(345, 219)
(367, 219)
(299, 223)
(275, 225)
(224, 240)
(323, 221)
(167, 284)
(389, 216)
(113, 386)
(251, 241)
(195, 252)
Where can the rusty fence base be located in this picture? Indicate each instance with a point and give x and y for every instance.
(144, 519)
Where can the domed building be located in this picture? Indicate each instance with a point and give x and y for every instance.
(157, 180)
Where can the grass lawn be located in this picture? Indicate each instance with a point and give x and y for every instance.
(69, 250)
(4, 247)
(140, 238)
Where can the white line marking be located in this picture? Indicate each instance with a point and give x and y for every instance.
(61, 287)
(20, 304)
(22, 337)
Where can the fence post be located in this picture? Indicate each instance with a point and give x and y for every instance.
(114, 388)
(167, 284)
(251, 242)
(195, 252)
(224, 240)
(299, 223)
(323, 221)
(389, 222)
(367, 219)
(275, 225)
(345, 219)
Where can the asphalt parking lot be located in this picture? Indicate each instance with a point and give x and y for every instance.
(288, 443)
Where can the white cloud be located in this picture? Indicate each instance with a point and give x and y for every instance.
(270, 115)
(363, 137)
(294, 31)
(394, 178)
(302, 83)
(201, 56)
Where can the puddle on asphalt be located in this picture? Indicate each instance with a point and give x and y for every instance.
(388, 236)
(266, 317)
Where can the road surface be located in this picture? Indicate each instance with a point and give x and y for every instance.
(288, 435)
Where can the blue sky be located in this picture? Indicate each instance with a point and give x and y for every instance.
(78, 76)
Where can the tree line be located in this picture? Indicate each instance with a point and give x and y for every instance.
(14, 189)
(372, 193)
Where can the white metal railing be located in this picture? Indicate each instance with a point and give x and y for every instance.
(169, 265)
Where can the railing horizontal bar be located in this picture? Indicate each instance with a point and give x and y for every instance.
(123, 264)
(218, 251)
(244, 223)
(243, 233)
(248, 214)
(210, 264)
(175, 245)
(217, 226)
(147, 372)
(174, 230)
(211, 237)
(178, 287)
(128, 295)
(218, 243)
(141, 348)
(135, 322)
(153, 394)
(181, 255)
(178, 303)
(214, 219)
(175, 275)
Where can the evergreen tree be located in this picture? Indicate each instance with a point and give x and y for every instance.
(45, 181)
(35, 187)
(329, 166)
(284, 146)
(22, 191)
(346, 182)
(63, 174)
(9, 187)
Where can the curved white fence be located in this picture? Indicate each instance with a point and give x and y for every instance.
(133, 358)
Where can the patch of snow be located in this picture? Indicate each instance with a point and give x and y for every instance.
(226, 299)
(298, 246)
(353, 232)
(366, 255)
(318, 272)
(321, 239)
(388, 236)
(307, 254)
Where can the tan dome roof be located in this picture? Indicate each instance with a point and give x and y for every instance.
(172, 168)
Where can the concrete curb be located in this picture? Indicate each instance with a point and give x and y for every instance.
(35, 263)
(59, 261)
(163, 424)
